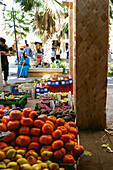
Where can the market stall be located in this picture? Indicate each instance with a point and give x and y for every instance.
(43, 138)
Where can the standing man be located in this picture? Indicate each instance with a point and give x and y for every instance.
(28, 50)
(4, 60)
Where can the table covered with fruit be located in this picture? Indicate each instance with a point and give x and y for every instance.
(40, 138)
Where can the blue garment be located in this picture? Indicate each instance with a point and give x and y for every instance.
(28, 51)
(23, 69)
(42, 51)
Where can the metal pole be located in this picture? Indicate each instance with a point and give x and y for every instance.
(13, 13)
(1, 80)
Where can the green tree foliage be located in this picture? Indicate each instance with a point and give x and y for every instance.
(111, 9)
(22, 25)
(27, 5)
(49, 15)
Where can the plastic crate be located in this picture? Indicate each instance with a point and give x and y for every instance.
(60, 88)
(66, 82)
(20, 103)
(38, 95)
(28, 88)
(53, 83)
(23, 103)
(71, 88)
(41, 90)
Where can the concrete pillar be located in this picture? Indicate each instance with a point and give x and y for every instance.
(71, 38)
(91, 52)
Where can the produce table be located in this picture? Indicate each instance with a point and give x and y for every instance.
(18, 103)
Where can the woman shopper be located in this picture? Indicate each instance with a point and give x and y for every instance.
(24, 66)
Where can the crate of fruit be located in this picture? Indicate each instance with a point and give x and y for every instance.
(28, 88)
(53, 83)
(66, 82)
(19, 99)
(41, 89)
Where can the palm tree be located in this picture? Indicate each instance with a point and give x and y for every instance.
(50, 17)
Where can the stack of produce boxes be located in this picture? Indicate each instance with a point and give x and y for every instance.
(60, 84)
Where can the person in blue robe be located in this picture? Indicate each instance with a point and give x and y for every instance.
(24, 66)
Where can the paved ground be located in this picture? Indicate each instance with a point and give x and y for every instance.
(100, 159)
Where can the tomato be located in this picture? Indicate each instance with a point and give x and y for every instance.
(1, 111)
(5, 120)
(27, 111)
(78, 150)
(68, 159)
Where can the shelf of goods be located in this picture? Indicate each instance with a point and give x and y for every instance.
(39, 141)
(19, 99)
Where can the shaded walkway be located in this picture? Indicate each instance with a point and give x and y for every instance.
(100, 159)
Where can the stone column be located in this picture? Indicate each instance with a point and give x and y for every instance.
(71, 38)
(91, 54)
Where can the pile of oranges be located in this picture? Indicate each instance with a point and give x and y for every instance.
(32, 132)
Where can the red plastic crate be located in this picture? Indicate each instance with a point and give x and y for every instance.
(60, 88)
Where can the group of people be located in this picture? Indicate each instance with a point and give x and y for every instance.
(24, 60)
(24, 57)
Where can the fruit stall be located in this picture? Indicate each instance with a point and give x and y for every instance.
(40, 138)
